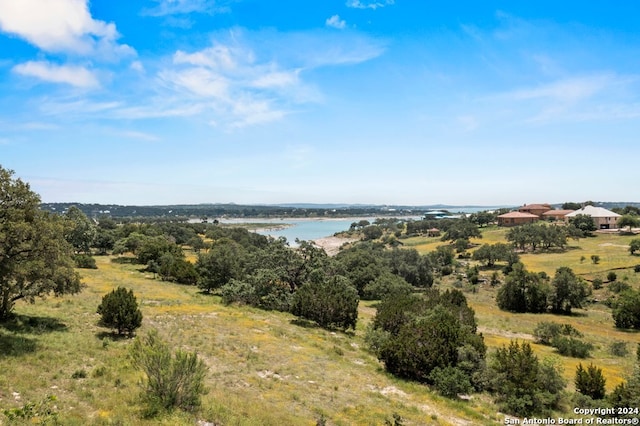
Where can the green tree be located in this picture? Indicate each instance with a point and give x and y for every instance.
(482, 218)
(176, 268)
(462, 229)
(626, 310)
(629, 220)
(35, 258)
(119, 310)
(332, 302)
(173, 379)
(523, 291)
(567, 291)
(571, 206)
(224, 261)
(583, 222)
(522, 385)
(634, 246)
(80, 231)
(413, 335)
(492, 253)
(372, 232)
(104, 240)
(153, 248)
(590, 382)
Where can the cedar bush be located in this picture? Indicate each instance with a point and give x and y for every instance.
(119, 310)
(590, 381)
(332, 302)
(523, 385)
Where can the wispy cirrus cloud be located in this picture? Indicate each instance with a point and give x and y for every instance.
(133, 134)
(183, 7)
(367, 4)
(76, 76)
(597, 97)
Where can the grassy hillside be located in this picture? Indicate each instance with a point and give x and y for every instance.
(594, 321)
(266, 368)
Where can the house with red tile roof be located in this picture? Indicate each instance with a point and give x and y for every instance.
(536, 209)
(556, 214)
(516, 218)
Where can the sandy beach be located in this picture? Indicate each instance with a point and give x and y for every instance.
(332, 245)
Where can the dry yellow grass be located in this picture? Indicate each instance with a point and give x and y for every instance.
(263, 368)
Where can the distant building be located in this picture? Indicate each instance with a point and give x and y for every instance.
(556, 214)
(536, 209)
(603, 218)
(516, 218)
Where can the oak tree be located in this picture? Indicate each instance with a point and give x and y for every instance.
(35, 258)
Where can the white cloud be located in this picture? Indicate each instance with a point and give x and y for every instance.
(336, 22)
(276, 79)
(61, 26)
(180, 7)
(137, 66)
(247, 78)
(199, 81)
(358, 4)
(216, 57)
(231, 83)
(67, 74)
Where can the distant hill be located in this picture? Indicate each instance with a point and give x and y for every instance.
(256, 211)
(211, 211)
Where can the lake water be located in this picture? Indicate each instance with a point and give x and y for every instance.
(302, 229)
(311, 229)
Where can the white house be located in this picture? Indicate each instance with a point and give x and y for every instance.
(603, 218)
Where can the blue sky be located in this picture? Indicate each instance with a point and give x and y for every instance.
(349, 101)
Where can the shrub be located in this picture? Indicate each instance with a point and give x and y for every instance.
(618, 348)
(446, 270)
(332, 302)
(450, 381)
(238, 291)
(523, 291)
(473, 275)
(590, 382)
(619, 286)
(43, 412)
(176, 269)
(85, 261)
(611, 276)
(119, 310)
(597, 283)
(570, 346)
(595, 259)
(173, 380)
(545, 331)
(385, 284)
(79, 374)
(626, 310)
(522, 385)
(413, 335)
